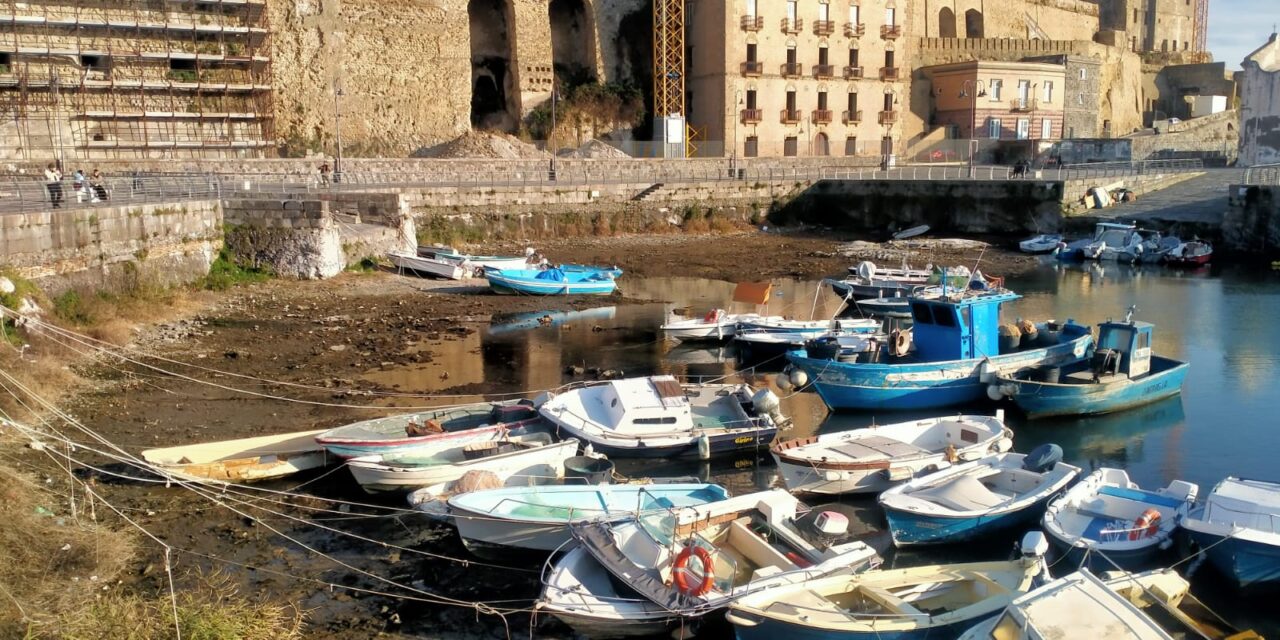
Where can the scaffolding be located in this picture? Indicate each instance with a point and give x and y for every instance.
(87, 79)
(1202, 26)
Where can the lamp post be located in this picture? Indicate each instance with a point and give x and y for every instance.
(337, 132)
(972, 89)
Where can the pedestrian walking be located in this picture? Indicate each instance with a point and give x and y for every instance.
(97, 186)
(324, 173)
(78, 185)
(53, 182)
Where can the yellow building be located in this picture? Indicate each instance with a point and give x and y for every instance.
(998, 100)
(791, 78)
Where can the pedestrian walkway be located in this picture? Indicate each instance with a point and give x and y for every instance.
(1201, 199)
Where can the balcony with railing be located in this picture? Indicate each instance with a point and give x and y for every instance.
(792, 25)
(852, 30)
(890, 31)
(824, 27)
(752, 116)
(890, 74)
(790, 116)
(1022, 104)
(824, 71)
(753, 68)
(852, 73)
(791, 70)
(752, 23)
(822, 116)
(851, 117)
(888, 117)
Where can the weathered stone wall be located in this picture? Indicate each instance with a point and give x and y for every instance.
(1213, 138)
(1252, 220)
(1260, 106)
(110, 247)
(1017, 19)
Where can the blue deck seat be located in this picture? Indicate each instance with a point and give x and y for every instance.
(1138, 495)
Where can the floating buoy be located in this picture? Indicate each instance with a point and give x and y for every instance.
(799, 378)
(782, 381)
(994, 392)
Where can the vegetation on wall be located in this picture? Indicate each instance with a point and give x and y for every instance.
(590, 106)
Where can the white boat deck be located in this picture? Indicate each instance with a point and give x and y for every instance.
(1078, 606)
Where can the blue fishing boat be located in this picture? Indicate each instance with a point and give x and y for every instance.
(1238, 528)
(552, 282)
(1121, 374)
(955, 348)
(997, 493)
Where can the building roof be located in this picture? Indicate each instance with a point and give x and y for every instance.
(1267, 57)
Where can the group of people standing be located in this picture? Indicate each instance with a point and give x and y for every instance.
(91, 187)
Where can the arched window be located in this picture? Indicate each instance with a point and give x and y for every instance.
(973, 24)
(946, 23)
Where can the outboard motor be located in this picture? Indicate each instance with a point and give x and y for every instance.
(766, 403)
(1032, 548)
(1043, 458)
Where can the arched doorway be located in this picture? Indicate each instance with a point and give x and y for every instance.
(494, 97)
(973, 24)
(946, 23)
(573, 41)
(821, 145)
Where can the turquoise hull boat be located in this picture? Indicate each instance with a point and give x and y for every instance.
(552, 282)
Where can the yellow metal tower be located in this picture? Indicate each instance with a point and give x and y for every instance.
(668, 60)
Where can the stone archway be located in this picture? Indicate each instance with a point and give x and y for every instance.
(973, 24)
(494, 96)
(946, 23)
(573, 40)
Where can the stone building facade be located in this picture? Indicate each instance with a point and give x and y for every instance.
(999, 100)
(1260, 105)
(1082, 97)
(1154, 26)
(790, 78)
(1017, 19)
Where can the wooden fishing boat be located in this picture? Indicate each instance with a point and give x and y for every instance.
(997, 493)
(877, 457)
(1108, 513)
(244, 459)
(405, 432)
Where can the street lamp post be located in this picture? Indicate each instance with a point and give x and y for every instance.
(337, 132)
(972, 89)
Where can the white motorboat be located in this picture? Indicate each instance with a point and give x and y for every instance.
(658, 417)
(436, 267)
(1107, 512)
(243, 459)
(528, 455)
(478, 263)
(697, 560)
(1112, 240)
(1238, 528)
(1000, 492)
(578, 591)
(873, 459)
(1042, 243)
(716, 325)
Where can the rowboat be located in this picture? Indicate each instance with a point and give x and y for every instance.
(716, 325)
(405, 432)
(418, 265)
(1190, 254)
(918, 603)
(1042, 243)
(878, 457)
(449, 458)
(538, 518)
(997, 493)
(1238, 529)
(479, 263)
(658, 417)
(1108, 513)
(553, 281)
(244, 459)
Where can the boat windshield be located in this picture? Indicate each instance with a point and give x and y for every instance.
(1117, 339)
(657, 517)
(1115, 237)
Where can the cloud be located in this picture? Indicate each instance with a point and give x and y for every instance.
(1237, 27)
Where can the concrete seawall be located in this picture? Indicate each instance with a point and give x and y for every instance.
(1251, 224)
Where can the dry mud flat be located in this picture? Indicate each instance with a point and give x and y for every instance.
(312, 342)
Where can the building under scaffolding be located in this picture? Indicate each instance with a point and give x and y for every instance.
(103, 79)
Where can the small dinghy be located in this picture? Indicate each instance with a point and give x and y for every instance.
(1190, 254)
(1043, 243)
(936, 601)
(809, 328)
(538, 518)
(877, 457)
(997, 493)
(694, 561)
(243, 460)
(1156, 605)
(716, 325)
(448, 459)
(582, 470)
(479, 263)
(1238, 528)
(552, 282)
(1121, 373)
(658, 417)
(433, 267)
(854, 335)
(1106, 512)
(581, 594)
(404, 432)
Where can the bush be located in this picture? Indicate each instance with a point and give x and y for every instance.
(225, 273)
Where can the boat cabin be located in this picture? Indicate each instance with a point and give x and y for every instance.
(658, 404)
(962, 327)
(1123, 348)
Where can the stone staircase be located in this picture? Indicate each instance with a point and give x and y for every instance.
(647, 192)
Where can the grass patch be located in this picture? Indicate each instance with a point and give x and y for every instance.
(366, 264)
(435, 229)
(225, 273)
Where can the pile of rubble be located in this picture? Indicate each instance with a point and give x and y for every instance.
(594, 149)
(487, 144)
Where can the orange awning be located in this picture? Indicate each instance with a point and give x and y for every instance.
(753, 292)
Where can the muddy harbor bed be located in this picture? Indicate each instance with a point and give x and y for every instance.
(324, 344)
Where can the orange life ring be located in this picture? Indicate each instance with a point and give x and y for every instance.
(1147, 525)
(680, 572)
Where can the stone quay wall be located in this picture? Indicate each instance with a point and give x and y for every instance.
(1251, 224)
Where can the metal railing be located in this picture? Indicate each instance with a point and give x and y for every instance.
(852, 30)
(852, 72)
(1263, 174)
(752, 23)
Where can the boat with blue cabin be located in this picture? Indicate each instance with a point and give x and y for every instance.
(1121, 374)
(972, 500)
(1238, 528)
(553, 282)
(955, 350)
(1108, 513)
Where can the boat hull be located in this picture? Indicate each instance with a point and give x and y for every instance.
(1040, 400)
(355, 448)
(913, 529)
(485, 534)
(243, 460)
(701, 332)
(541, 462)
(1128, 560)
(928, 385)
(506, 286)
(774, 629)
(723, 444)
(1246, 562)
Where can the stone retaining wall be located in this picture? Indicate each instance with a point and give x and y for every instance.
(1252, 221)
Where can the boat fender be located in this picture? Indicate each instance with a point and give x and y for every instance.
(704, 447)
(1002, 445)
(799, 378)
(866, 270)
(831, 476)
(681, 575)
(1146, 526)
(995, 392)
(782, 381)
(1042, 458)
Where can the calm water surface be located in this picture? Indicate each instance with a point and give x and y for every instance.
(1225, 423)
